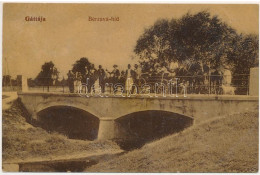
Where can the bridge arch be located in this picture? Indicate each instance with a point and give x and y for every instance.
(137, 128)
(66, 103)
(73, 122)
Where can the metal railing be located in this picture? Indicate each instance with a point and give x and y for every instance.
(195, 84)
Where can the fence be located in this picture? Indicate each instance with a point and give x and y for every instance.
(203, 84)
(199, 84)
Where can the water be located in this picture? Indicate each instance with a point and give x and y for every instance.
(131, 132)
(71, 165)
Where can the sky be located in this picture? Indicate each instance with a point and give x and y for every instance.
(67, 34)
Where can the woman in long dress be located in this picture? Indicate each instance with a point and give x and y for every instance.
(227, 80)
(77, 83)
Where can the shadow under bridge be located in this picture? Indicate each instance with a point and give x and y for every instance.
(70, 121)
(134, 130)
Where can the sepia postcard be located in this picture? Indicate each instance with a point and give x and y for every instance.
(130, 88)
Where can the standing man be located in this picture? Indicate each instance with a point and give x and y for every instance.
(91, 77)
(71, 81)
(115, 75)
(101, 75)
(122, 77)
(84, 80)
(129, 79)
(138, 73)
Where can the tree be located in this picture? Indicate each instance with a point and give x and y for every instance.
(48, 74)
(201, 38)
(31, 82)
(244, 56)
(201, 44)
(6, 80)
(80, 65)
(84, 66)
(153, 45)
(192, 39)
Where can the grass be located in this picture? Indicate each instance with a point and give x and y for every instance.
(228, 144)
(22, 141)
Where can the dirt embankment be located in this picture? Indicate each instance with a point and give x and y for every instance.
(228, 144)
(24, 142)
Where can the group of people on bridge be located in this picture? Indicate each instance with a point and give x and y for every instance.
(94, 78)
(198, 82)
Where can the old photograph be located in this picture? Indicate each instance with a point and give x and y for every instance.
(130, 88)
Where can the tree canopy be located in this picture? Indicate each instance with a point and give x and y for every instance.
(196, 39)
(48, 73)
(81, 65)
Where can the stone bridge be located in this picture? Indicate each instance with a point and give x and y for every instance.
(198, 108)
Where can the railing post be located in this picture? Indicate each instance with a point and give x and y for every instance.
(209, 84)
(24, 84)
(254, 82)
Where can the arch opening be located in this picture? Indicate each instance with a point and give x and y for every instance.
(136, 129)
(70, 121)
